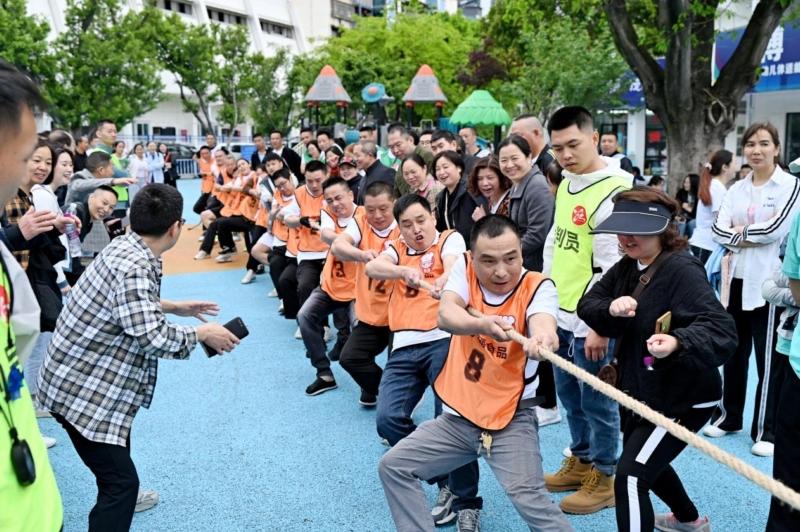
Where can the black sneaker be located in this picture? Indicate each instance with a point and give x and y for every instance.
(336, 350)
(320, 386)
(368, 400)
(442, 511)
(260, 270)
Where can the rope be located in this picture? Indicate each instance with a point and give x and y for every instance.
(778, 489)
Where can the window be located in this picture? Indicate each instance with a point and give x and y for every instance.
(178, 6)
(274, 28)
(216, 15)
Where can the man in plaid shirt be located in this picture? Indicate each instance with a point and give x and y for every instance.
(101, 365)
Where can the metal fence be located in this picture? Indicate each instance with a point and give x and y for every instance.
(186, 168)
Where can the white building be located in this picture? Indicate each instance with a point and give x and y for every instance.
(297, 25)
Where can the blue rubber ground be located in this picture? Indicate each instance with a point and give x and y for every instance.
(232, 443)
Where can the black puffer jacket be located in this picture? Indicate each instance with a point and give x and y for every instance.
(706, 332)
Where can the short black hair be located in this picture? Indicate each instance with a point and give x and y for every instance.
(275, 130)
(273, 156)
(565, 117)
(452, 156)
(223, 149)
(97, 160)
(256, 135)
(409, 200)
(282, 173)
(326, 132)
(155, 209)
(17, 92)
(306, 129)
(443, 134)
(103, 121)
(397, 127)
(515, 140)
(491, 226)
(367, 127)
(379, 187)
(201, 148)
(106, 188)
(316, 166)
(426, 132)
(333, 181)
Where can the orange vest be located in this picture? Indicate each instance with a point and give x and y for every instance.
(483, 379)
(372, 295)
(279, 229)
(310, 206)
(207, 183)
(248, 204)
(338, 276)
(223, 196)
(414, 309)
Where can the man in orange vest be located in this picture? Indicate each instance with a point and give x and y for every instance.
(488, 385)
(363, 240)
(337, 289)
(306, 218)
(419, 346)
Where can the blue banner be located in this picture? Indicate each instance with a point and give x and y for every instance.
(780, 66)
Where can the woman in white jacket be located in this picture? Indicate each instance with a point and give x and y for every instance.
(754, 218)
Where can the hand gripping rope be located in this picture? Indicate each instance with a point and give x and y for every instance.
(778, 489)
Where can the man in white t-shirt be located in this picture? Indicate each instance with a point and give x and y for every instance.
(488, 385)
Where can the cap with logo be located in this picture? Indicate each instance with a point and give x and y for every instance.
(635, 218)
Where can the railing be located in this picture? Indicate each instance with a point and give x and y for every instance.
(186, 168)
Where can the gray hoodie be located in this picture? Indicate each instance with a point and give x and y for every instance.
(81, 185)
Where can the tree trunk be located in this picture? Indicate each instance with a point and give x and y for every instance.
(689, 146)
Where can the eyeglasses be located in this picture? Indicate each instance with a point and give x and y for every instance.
(181, 222)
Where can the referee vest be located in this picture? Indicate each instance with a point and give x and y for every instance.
(573, 261)
(483, 379)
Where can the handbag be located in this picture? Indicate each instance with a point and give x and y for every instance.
(609, 373)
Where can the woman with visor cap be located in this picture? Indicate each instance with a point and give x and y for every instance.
(671, 334)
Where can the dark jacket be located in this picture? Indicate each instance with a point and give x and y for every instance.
(458, 211)
(376, 172)
(706, 332)
(293, 160)
(545, 158)
(255, 159)
(531, 208)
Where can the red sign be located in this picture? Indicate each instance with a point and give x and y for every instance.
(579, 215)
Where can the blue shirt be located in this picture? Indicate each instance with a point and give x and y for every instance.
(791, 268)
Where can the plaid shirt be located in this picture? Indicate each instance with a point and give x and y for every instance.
(14, 210)
(101, 364)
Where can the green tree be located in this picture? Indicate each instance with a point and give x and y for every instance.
(233, 73)
(696, 110)
(105, 66)
(25, 44)
(187, 51)
(525, 45)
(273, 100)
(373, 51)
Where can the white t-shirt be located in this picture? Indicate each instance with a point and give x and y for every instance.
(706, 216)
(545, 301)
(453, 246)
(354, 232)
(44, 199)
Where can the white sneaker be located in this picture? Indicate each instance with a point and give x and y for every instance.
(280, 307)
(548, 416)
(236, 237)
(201, 255)
(146, 500)
(274, 293)
(49, 442)
(567, 452)
(329, 334)
(201, 238)
(712, 431)
(298, 335)
(248, 277)
(668, 523)
(763, 448)
(225, 257)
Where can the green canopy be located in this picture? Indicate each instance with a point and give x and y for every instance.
(480, 109)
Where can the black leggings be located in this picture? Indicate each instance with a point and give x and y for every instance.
(287, 288)
(255, 233)
(647, 451)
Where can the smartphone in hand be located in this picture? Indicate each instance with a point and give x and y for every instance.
(237, 327)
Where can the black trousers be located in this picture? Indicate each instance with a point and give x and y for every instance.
(757, 331)
(210, 235)
(201, 203)
(255, 233)
(117, 480)
(288, 288)
(277, 263)
(647, 451)
(786, 462)
(358, 355)
(547, 385)
(227, 226)
(308, 273)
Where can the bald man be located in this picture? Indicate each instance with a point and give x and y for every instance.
(530, 128)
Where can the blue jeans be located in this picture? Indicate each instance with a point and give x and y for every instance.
(408, 372)
(593, 418)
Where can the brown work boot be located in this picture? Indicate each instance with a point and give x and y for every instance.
(569, 477)
(596, 493)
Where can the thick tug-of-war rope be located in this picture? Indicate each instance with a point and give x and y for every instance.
(775, 487)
